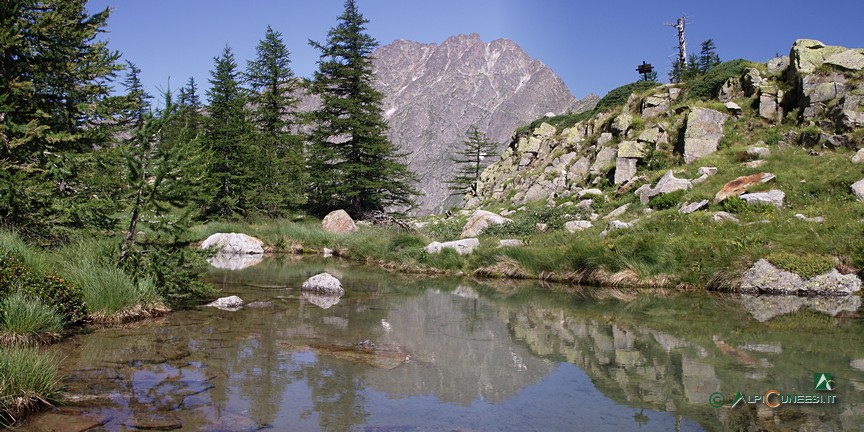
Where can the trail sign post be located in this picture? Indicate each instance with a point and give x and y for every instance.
(645, 69)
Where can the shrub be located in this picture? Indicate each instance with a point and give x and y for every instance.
(50, 288)
(25, 318)
(29, 380)
(706, 87)
(805, 265)
(666, 201)
(734, 205)
(619, 96)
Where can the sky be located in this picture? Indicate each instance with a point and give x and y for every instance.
(593, 46)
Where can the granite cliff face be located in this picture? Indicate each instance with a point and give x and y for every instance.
(433, 93)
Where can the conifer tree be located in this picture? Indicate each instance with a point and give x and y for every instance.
(54, 94)
(471, 159)
(279, 151)
(227, 137)
(708, 57)
(352, 163)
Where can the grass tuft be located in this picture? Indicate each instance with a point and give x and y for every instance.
(28, 321)
(29, 381)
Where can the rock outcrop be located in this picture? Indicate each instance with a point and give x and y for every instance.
(703, 130)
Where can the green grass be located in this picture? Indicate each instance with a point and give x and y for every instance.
(28, 320)
(29, 380)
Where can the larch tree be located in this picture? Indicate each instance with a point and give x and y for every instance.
(279, 153)
(474, 156)
(55, 82)
(352, 163)
(227, 136)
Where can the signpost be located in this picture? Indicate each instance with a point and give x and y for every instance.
(645, 69)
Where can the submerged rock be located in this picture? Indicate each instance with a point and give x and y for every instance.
(384, 356)
(324, 283)
(231, 303)
(234, 243)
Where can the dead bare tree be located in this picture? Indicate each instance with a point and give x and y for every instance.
(682, 41)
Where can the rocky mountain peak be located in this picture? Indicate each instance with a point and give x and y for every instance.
(433, 93)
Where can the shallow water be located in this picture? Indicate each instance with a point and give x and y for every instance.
(402, 353)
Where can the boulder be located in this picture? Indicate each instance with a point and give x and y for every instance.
(231, 303)
(778, 64)
(849, 112)
(817, 219)
(233, 243)
(325, 284)
(622, 123)
(592, 191)
(577, 225)
(604, 138)
(754, 163)
(808, 54)
(338, 222)
(858, 189)
(773, 197)
(617, 212)
(625, 169)
(631, 149)
(733, 108)
(692, 207)
(703, 130)
(722, 216)
(615, 225)
(769, 102)
(751, 81)
(669, 183)
(852, 59)
(510, 243)
(764, 277)
(858, 157)
(479, 221)
(462, 247)
(758, 151)
(709, 171)
(545, 130)
(603, 160)
(741, 184)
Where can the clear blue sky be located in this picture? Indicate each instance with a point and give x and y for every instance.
(593, 46)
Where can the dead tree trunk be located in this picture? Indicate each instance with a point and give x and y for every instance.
(682, 41)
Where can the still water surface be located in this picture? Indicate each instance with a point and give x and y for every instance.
(403, 354)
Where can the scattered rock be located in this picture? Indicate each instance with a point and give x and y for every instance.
(327, 252)
(324, 283)
(857, 364)
(338, 222)
(617, 212)
(625, 169)
(758, 151)
(709, 171)
(774, 197)
(604, 159)
(462, 247)
(231, 303)
(667, 184)
(604, 138)
(700, 179)
(161, 421)
(621, 123)
(778, 64)
(858, 157)
(479, 221)
(858, 189)
(615, 225)
(577, 225)
(754, 164)
(692, 207)
(584, 192)
(817, 219)
(631, 149)
(510, 243)
(733, 108)
(833, 283)
(722, 216)
(234, 261)
(233, 243)
(703, 130)
(741, 184)
(542, 227)
(585, 204)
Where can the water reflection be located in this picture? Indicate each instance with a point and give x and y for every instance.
(399, 353)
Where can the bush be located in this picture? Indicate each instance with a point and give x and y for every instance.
(24, 317)
(50, 288)
(706, 87)
(666, 201)
(805, 265)
(617, 97)
(29, 380)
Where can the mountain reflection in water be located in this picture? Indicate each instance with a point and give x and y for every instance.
(400, 353)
